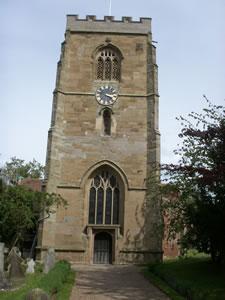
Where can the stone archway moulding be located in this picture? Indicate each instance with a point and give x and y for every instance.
(102, 163)
(104, 45)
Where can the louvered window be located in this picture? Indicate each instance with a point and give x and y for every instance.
(108, 65)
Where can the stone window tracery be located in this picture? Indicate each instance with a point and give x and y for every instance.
(108, 64)
(100, 66)
(108, 69)
(115, 69)
(104, 199)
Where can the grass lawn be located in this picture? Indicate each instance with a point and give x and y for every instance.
(59, 280)
(162, 285)
(194, 278)
(31, 282)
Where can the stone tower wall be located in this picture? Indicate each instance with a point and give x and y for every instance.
(76, 143)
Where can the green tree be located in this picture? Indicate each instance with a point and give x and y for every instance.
(17, 169)
(198, 214)
(21, 209)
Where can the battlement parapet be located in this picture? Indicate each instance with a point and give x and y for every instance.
(91, 24)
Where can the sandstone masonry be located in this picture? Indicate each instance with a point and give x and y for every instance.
(85, 145)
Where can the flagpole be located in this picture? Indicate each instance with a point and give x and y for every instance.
(110, 7)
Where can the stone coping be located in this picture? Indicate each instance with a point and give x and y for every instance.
(103, 226)
(80, 93)
(77, 187)
(108, 25)
(61, 249)
(141, 251)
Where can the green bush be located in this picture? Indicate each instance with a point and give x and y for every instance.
(53, 282)
(39, 267)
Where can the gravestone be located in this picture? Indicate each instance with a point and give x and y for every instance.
(30, 266)
(4, 283)
(37, 294)
(49, 260)
(2, 247)
(15, 264)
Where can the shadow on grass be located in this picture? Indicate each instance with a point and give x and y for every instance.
(194, 278)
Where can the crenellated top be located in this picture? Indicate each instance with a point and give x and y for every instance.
(108, 24)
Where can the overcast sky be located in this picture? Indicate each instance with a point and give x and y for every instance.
(190, 56)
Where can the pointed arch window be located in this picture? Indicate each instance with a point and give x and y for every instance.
(108, 64)
(104, 199)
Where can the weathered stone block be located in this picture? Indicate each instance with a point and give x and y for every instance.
(79, 149)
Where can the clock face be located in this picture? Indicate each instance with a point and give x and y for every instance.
(106, 95)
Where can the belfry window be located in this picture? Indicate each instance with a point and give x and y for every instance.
(100, 67)
(107, 122)
(108, 64)
(104, 199)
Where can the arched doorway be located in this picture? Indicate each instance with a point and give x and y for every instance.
(105, 194)
(103, 248)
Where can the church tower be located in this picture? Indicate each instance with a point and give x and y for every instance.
(104, 145)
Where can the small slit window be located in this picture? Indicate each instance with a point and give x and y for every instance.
(107, 122)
